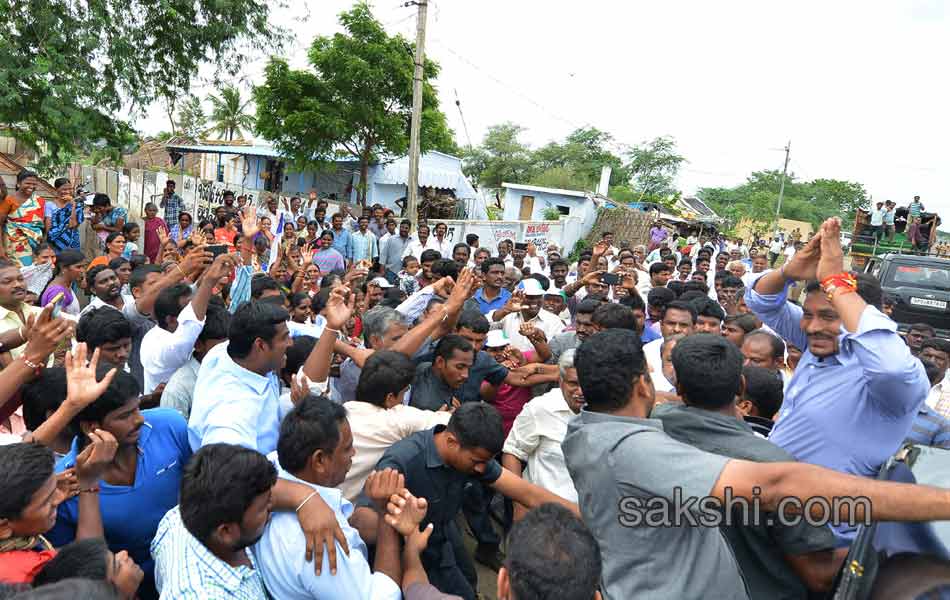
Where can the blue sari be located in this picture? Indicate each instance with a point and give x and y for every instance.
(60, 235)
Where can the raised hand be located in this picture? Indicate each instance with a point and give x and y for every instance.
(250, 225)
(299, 388)
(382, 485)
(804, 265)
(195, 261)
(534, 335)
(405, 512)
(515, 303)
(43, 335)
(221, 267)
(197, 237)
(93, 460)
(831, 259)
(82, 389)
(162, 234)
(339, 308)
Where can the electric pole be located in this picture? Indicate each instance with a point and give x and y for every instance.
(781, 189)
(412, 198)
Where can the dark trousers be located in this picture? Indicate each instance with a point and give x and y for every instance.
(475, 506)
(772, 258)
(460, 578)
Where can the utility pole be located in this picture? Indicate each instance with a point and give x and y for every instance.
(781, 189)
(412, 197)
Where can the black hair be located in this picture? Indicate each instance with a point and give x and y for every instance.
(552, 554)
(314, 424)
(468, 250)
(67, 258)
(764, 389)
(100, 200)
(429, 255)
(477, 425)
(43, 395)
(261, 284)
(474, 321)
(217, 320)
(660, 296)
(614, 316)
(251, 321)
(297, 354)
(26, 468)
(692, 296)
(694, 286)
(298, 298)
(922, 327)
(447, 346)
(587, 306)
(83, 558)
(37, 249)
(747, 322)
(130, 226)
(674, 286)
(778, 347)
(141, 273)
(937, 344)
(681, 305)
(72, 588)
(491, 261)
(687, 262)
(731, 281)
(555, 263)
(471, 238)
(869, 289)
(319, 301)
(117, 262)
(385, 372)
(408, 259)
(102, 325)
(91, 275)
(60, 182)
(709, 308)
(111, 237)
(608, 365)
(219, 484)
(446, 267)
(633, 302)
(658, 267)
(168, 303)
(599, 298)
(122, 388)
(708, 369)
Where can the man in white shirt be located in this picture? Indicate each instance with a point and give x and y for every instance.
(418, 244)
(440, 242)
(775, 249)
(937, 351)
(179, 391)
(877, 220)
(678, 318)
(272, 212)
(180, 316)
(536, 435)
(524, 308)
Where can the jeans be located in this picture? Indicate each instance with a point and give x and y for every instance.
(461, 578)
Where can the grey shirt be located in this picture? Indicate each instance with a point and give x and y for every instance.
(616, 462)
(760, 549)
(180, 388)
(428, 391)
(561, 343)
(390, 253)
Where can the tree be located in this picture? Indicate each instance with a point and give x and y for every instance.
(585, 152)
(501, 157)
(74, 73)
(653, 167)
(564, 178)
(228, 112)
(191, 118)
(356, 102)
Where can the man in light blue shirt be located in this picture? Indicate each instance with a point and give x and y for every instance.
(316, 449)
(341, 237)
(857, 388)
(363, 244)
(201, 547)
(237, 395)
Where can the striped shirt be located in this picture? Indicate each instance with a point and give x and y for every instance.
(930, 429)
(185, 568)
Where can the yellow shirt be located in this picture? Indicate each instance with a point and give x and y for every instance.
(11, 320)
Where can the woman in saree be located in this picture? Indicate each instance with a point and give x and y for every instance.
(70, 271)
(21, 219)
(63, 217)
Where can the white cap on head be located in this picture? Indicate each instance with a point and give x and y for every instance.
(531, 287)
(381, 282)
(496, 339)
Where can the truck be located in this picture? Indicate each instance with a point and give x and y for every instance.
(918, 288)
(863, 244)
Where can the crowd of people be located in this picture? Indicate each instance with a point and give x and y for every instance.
(286, 403)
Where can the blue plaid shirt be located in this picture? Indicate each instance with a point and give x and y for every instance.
(930, 429)
(186, 569)
(172, 207)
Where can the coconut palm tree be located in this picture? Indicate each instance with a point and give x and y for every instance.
(228, 114)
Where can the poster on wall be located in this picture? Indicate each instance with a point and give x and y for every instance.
(538, 235)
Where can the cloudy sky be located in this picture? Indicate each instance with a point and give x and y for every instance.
(859, 87)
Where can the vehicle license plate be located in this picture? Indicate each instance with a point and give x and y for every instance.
(929, 303)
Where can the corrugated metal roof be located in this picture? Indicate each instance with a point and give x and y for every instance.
(256, 150)
(538, 188)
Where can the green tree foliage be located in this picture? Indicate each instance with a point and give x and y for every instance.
(75, 72)
(652, 168)
(810, 201)
(229, 114)
(584, 152)
(501, 157)
(355, 102)
(564, 178)
(191, 118)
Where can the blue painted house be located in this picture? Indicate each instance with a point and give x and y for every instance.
(244, 167)
(529, 202)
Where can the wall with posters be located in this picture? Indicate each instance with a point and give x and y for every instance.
(563, 234)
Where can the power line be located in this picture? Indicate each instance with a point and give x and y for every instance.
(458, 104)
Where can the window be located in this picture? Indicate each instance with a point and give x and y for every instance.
(564, 210)
(921, 277)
